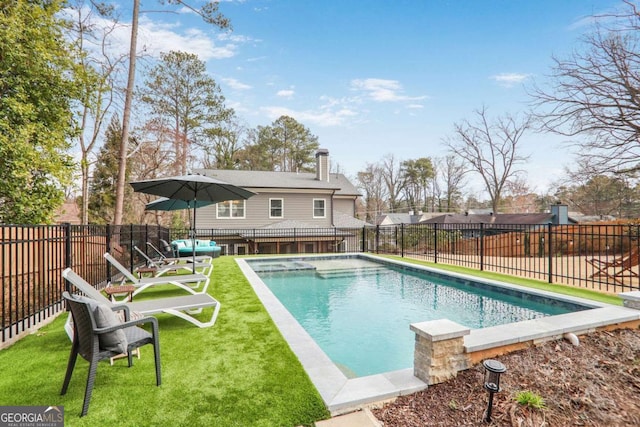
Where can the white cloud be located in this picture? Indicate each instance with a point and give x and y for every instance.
(157, 36)
(382, 90)
(324, 116)
(286, 93)
(235, 83)
(510, 79)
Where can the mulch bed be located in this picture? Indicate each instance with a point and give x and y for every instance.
(594, 384)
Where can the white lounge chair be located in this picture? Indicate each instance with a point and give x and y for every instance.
(182, 306)
(170, 260)
(188, 282)
(174, 267)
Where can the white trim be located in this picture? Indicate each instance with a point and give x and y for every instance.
(228, 204)
(313, 207)
(281, 208)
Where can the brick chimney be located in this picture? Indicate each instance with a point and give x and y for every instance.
(322, 165)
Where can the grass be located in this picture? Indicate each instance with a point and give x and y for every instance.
(240, 372)
(521, 281)
(530, 399)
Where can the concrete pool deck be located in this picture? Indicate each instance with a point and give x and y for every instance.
(342, 395)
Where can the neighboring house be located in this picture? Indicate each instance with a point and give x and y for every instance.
(69, 212)
(315, 205)
(558, 215)
(405, 218)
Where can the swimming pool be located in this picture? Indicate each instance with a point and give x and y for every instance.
(342, 394)
(358, 311)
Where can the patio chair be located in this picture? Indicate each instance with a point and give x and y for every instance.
(99, 335)
(174, 267)
(182, 306)
(622, 266)
(188, 282)
(162, 257)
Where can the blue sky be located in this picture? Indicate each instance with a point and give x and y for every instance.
(375, 77)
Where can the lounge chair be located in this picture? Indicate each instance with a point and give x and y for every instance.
(99, 335)
(622, 266)
(181, 281)
(162, 257)
(182, 306)
(174, 267)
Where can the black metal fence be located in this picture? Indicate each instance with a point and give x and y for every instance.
(600, 257)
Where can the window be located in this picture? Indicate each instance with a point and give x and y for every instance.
(276, 208)
(231, 209)
(318, 208)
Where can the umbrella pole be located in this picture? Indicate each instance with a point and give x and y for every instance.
(193, 231)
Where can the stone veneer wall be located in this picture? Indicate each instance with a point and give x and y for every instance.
(440, 354)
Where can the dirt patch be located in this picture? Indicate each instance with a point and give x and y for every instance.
(594, 384)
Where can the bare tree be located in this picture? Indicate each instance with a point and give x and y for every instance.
(393, 179)
(450, 171)
(491, 148)
(209, 13)
(97, 71)
(371, 183)
(595, 93)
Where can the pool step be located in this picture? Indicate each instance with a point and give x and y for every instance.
(350, 272)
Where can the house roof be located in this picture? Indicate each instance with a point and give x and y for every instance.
(275, 180)
(404, 218)
(68, 212)
(342, 220)
(503, 219)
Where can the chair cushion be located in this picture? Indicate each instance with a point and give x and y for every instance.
(115, 341)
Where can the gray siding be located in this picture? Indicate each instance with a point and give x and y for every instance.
(345, 205)
(297, 207)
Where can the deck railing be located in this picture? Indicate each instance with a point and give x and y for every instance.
(33, 257)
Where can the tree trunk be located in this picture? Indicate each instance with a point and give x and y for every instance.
(126, 116)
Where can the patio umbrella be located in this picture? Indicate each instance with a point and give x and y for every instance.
(165, 204)
(193, 190)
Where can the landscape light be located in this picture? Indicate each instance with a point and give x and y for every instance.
(492, 371)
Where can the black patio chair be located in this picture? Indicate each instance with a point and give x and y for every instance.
(99, 335)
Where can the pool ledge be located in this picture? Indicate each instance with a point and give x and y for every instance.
(339, 393)
(548, 328)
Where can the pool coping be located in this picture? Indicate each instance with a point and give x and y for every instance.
(342, 394)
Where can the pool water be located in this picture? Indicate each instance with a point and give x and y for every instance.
(359, 311)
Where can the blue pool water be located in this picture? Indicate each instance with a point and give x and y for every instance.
(359, 311)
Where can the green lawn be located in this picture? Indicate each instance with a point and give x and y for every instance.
(240, 372)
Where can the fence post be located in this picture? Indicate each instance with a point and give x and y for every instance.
(550, 257)
(67, 245)
(108, 249)
(67, 253)
(377, 239)
(435, 243)
(364, 238)
(401, 240)
(481, 246)
(131, 247)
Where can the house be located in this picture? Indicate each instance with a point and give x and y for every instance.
(69, 212)
(405, 218)
(499, 223)
(291, 212)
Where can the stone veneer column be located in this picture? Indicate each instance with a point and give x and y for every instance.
(439, 350)
(631, 299)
